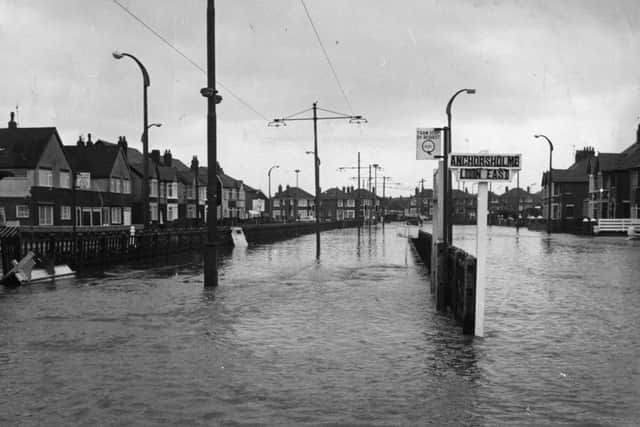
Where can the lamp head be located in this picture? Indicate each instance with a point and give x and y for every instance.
(537, 136)
(276, 123)
(117, 54)
(471, 91)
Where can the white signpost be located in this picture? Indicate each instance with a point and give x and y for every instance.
(428, 143)
(483, 167)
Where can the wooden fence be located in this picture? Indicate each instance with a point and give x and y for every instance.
(454, 289)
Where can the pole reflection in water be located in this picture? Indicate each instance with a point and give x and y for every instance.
(355, 339)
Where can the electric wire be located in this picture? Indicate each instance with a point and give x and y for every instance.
(326, 55)
(191, 61)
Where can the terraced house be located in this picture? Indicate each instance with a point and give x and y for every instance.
(103, 193)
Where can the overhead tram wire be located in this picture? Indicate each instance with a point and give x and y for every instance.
(326, 55)
(191, 61)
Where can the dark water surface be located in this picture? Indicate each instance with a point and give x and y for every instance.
(353, 339)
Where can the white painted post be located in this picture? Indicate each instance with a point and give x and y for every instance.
(481, 256)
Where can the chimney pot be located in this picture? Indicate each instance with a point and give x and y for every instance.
(12, 122)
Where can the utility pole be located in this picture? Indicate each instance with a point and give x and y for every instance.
(211, 252)
(314, 108)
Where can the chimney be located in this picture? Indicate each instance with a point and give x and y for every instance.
(80, 142)
(122, 143)
(155, 156)
(506, 189)
(12, 123)
(167, 157)
(89, 142)
(195, 164)
(279, 188)
(638, 134)
(288, 187)
(528, 189)
(585, 153)
(344, 190)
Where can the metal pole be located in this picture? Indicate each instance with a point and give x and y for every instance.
(145, 155)
(211, 261)
(550, 186)
(375, 184)
(358, 202)
(270, 202)
(317, 172)
(369, 187)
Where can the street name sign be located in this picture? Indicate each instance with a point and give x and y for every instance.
(485, 166)
(485, 160)
(428, 143)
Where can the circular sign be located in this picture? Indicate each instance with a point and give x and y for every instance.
(428, 146)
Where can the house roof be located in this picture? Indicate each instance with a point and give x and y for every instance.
(167, 173)
(98, 158)
(293, 193)
(459, 194)
(333, 194)
(21, 148)
(138, 169)
(186, 177)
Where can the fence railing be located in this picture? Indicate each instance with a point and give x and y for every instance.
(614, 225)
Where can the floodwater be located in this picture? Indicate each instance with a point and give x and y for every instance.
(353, 339)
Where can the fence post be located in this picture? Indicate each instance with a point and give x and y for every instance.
(441, 275)
(469, 308)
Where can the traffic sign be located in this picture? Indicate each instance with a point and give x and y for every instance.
(428, 143)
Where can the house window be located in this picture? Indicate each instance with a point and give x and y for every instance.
(191, 211)
(240, 195)
(339, 203)
(569, 211)
(22, 211)
(276, 203)
(172, 190)
(126, 186)
(65, 212)
(276, 213)
(106, 215)
(45, 215)
(153, 211)
(126, 216)
(115, 185)
(172, 212)
(45, 178)
(153, 192)
(65, 181)
(3, 217)
(116, 215)
(351, 203)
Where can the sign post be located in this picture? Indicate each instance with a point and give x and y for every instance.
(481, 256)
(483, 167)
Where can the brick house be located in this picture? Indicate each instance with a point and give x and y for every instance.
(293, 204)
(39, 190)
(103, 193)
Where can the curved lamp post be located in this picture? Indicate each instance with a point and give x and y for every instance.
(446, 223)
(145, 136)
(270, 201)
(550, 181)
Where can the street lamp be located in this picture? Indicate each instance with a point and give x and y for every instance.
(550, 181)
(270, 201)
(145, 135)
(448, 227)
(314, 108)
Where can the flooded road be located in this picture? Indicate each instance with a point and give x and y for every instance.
(352, 339)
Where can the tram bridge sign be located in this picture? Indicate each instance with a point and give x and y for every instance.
(485, 166)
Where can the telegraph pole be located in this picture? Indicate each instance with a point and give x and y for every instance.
(211, 253)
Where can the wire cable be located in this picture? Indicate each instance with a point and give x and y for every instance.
(191, 61)
(326, 55)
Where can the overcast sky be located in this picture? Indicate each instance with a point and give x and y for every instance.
(566, 69)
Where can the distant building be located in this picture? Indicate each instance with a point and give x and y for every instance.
(293, 204)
